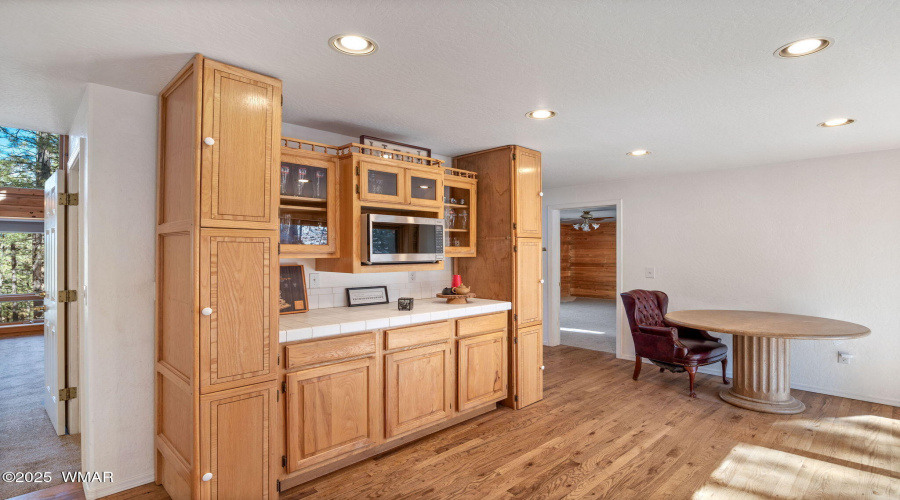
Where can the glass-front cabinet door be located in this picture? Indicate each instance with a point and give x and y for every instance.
(384, 183)
(425, 188)
(459, 217)
(308, 208)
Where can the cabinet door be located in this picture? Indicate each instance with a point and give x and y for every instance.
(383, 183)
(529, 366)
(331, 411)
(460, 217)
(529, 287)
(237, 429)
(309, 205)
(527, 166)
(242, 120)
(238, 322)
(417, 388)
(425, 188)
(481, 370)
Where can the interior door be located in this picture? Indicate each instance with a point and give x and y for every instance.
(529, 282)
(55, 312)
(529, 366)
(527, 167)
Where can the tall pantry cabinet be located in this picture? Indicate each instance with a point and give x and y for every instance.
(217, 283)
(508, 263)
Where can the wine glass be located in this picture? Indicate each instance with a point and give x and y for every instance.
(451, 218)
(285, 172)
(320, 174)
(301, 180)
(286, 229)
(463, 219)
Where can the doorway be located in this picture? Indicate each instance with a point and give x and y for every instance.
(585, 264)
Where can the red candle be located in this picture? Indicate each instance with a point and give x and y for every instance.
(457, 280)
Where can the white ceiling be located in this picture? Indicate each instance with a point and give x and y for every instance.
(693, 81)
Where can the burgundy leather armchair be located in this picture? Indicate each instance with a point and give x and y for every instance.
(671, 347)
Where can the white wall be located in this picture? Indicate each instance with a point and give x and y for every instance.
(118, 203)
(817, 237)
(331, 291)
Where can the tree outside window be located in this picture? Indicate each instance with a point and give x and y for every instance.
(27, 159)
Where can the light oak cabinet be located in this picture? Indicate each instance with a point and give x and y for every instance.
(460, 213)
(382, 182)
(530, 365)
(331, 411)
(216, 283)
(308, 210)
(237, 438)
(238, 332)
(508, 263)
(481, 369)
(241, 137)
(417, 388)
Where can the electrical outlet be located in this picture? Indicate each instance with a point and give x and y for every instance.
(650, 272)
(412, 276)
(314, 280)
(844, 357)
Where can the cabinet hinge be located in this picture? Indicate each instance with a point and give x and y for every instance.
(357, 189)
(516, 340)
(515, 248)
(514, 225)
(514, 157)
(277, 396)
(516, 317)
(278, 485)
(278, 362)
(68, 198)
(68, 393)
(283, 461)
(282, 99)
(357, 170)
(283, 386)
(67, 296)
(516, 399)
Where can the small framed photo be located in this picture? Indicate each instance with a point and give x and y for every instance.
(367, 295)
(292, 297)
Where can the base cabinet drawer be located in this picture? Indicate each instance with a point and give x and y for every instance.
(417, 388)
(331, 411)
(481, 370)
(237, 431)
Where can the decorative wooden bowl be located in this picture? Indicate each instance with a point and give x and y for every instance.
(456, 299)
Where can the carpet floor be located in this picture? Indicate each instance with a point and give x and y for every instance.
(588, 324)
(28, 442)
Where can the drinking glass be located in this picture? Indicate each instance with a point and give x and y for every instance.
(285, 172)
(286, 229)
(463, 219)
(319, 175)
(301, 180)
(451, 218)
(297, 233)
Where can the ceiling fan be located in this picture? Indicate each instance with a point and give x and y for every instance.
(587, 221)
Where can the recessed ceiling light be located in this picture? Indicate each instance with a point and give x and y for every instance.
(804, 47)
(353, 45)
(541, 114)
(638, 152)
(837, 122)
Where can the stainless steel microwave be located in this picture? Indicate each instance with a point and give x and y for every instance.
(394, 239)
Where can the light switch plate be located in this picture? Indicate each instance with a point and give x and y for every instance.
(412, 276)
(650, 272)
(844, 357)
(314, 280)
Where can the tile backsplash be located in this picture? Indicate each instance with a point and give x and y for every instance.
(332, 289)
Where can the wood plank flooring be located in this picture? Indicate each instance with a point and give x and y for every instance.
(598, 434)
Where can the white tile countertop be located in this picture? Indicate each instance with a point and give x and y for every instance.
(338, 320)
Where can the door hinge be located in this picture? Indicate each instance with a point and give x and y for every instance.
(67, 296)
(68, 393)
(283, 461)
(68, 198)
(278, 485)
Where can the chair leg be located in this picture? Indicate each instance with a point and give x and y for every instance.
(637, 367)
(724, 366)
(692, 371)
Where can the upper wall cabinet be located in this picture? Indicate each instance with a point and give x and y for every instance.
(527, 165)
(309, 205)
(460, 212)
(241, 135)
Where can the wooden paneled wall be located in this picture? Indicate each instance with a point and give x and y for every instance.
(588, 261)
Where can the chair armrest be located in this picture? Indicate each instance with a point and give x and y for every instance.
(662, 331)
(694, 333)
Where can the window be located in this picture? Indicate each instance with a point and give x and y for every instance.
(27, 159)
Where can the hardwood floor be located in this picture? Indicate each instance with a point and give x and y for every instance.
(598, 434)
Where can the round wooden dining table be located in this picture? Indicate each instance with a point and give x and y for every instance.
(761, 351)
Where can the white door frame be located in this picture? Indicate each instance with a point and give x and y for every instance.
(554, 273)
(74, 261)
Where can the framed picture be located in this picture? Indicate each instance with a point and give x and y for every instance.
(399, 147)
(367, 295)
(292, 297)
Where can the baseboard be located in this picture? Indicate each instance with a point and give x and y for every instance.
(716, 370)
(93, 491)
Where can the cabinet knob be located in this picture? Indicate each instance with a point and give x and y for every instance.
(542, 281)
(207, 477)
(207, 311)
(209, 141)
(542, 367)
(541, 193)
